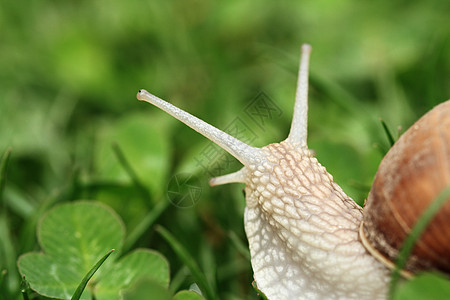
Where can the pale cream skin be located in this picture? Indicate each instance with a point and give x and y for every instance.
(301, 227)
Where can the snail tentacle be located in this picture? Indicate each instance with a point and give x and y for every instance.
(298, 133)
(246, 154)
(239, 176)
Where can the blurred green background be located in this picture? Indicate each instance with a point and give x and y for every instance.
(70, 70)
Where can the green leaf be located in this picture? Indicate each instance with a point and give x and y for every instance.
(73, 238)
(146, 289)
(141, 263)
(187, 295)
(424, 286)
(149, 289)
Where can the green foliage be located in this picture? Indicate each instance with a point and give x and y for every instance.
(187, 259)
(388, 133)
(73, 237)
(139, 264)
(140, 138)
(147, 289)
(419, 288)
(187, 295)
(80, 289)
(261, 294)
(70, 72)
(407, 247)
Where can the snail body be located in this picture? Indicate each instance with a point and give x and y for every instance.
(302, 229)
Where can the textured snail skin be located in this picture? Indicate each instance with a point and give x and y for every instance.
(303, 232)
(301, 227)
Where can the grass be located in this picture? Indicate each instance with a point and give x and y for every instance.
(70, 72)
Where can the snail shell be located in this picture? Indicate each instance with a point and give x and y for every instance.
(411, 175)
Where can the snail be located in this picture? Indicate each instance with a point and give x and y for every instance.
(304, 232)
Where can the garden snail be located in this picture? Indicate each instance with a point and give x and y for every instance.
(303, 230)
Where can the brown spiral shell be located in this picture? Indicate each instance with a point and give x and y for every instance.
(414, 171)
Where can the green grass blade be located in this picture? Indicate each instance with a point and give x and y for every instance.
(152, 215)
(9, 252)
(239, 244)
(338, 94)
(127, 167)
(24, 288)
(187, 259)
(389, 135)
(143, 226)
(178, 279)
(415, 234)
(2, 276)
(7, 245)
(88, 276)
(3, 164)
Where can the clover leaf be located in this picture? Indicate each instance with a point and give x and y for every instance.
(149, 289)
(73, 237)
